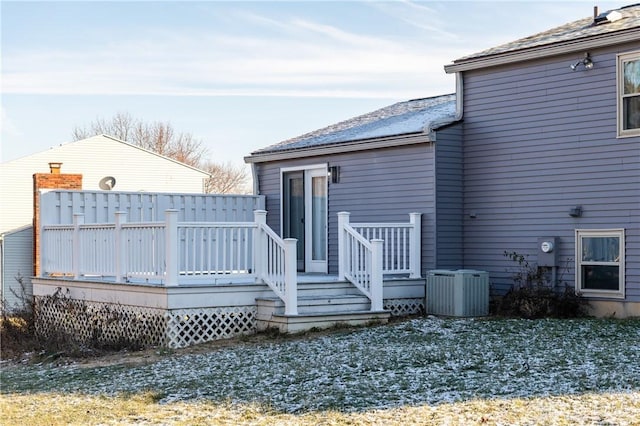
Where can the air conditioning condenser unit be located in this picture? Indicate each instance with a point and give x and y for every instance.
(460, 293)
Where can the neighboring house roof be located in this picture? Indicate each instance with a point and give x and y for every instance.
(6, 233)
(396, 124)
(608, 28)
(102, 138)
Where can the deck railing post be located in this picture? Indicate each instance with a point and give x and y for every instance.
(120, 255)
(415, 245)
(259, 244)
(290, 277)
(376, 275)
(78, 219)
(171, 247)
(343, 219)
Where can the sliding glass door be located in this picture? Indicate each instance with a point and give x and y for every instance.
(304, 216)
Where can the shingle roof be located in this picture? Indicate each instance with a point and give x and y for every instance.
(402, 118)
(629, 18)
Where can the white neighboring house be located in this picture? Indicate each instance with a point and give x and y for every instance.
(105, 163)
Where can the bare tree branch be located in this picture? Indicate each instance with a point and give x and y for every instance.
(158, 137)
(226, 179)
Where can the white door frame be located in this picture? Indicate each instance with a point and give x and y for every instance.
(310, 171)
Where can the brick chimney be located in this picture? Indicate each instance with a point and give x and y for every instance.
(53, 180)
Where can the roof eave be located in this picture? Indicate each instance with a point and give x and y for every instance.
(602, 40)
(339, 148)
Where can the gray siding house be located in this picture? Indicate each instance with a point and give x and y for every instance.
(540, 144)
(379, 167)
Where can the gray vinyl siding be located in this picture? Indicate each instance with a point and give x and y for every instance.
(540, 139)
(449, 202)
(17, 253)
(382, 185)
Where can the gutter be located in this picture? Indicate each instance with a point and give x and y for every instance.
(338, 148)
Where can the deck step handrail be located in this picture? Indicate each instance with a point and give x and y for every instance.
(368, 251)
(360, 262)
(276, 263)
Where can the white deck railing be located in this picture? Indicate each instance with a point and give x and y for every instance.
(361, 263)
(401, 248)
(172, 253)
(276, 263)
(368, 251)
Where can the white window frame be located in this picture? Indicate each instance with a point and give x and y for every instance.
(621, 59)
(618, 233)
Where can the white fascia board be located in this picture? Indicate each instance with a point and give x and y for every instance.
(340, 148)
(538, 52)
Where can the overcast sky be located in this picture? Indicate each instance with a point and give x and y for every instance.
(239, 75)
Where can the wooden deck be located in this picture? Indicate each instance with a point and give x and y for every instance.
(187, 314)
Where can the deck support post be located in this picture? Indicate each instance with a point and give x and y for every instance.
(171, 247)
(415, 245)
(121, 217)
(78, 219)
(343, 219)
(376, 275)
(290, 277)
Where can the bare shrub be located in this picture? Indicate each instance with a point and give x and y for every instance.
(534, 294)
(17, 332)
(23, 333)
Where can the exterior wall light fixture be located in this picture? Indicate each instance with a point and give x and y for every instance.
(334, 174)
(586, 61)
(576, 211)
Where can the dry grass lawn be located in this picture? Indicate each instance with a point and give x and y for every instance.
(424, 371)
(53, 409)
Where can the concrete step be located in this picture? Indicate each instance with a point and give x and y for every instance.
(322, 303)
(299, 323)
(268, 306)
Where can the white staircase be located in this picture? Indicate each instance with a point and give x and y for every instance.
(320, 305)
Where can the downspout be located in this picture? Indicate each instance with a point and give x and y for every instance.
(432, 138)
(254, 176)
(459, 96)
(459, 105)
(459, 115)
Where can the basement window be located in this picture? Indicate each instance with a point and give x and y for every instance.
(600, 263)
(629, 94)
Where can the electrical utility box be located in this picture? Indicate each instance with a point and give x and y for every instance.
(548, 251)
(461, 293)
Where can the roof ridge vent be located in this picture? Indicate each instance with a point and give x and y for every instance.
(605, 17)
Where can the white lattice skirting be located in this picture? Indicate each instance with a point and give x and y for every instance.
(404, 307)
(190, 326)
(114, 324)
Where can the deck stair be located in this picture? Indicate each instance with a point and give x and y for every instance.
(320, 305)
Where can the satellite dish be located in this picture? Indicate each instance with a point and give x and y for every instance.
(107, 183)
